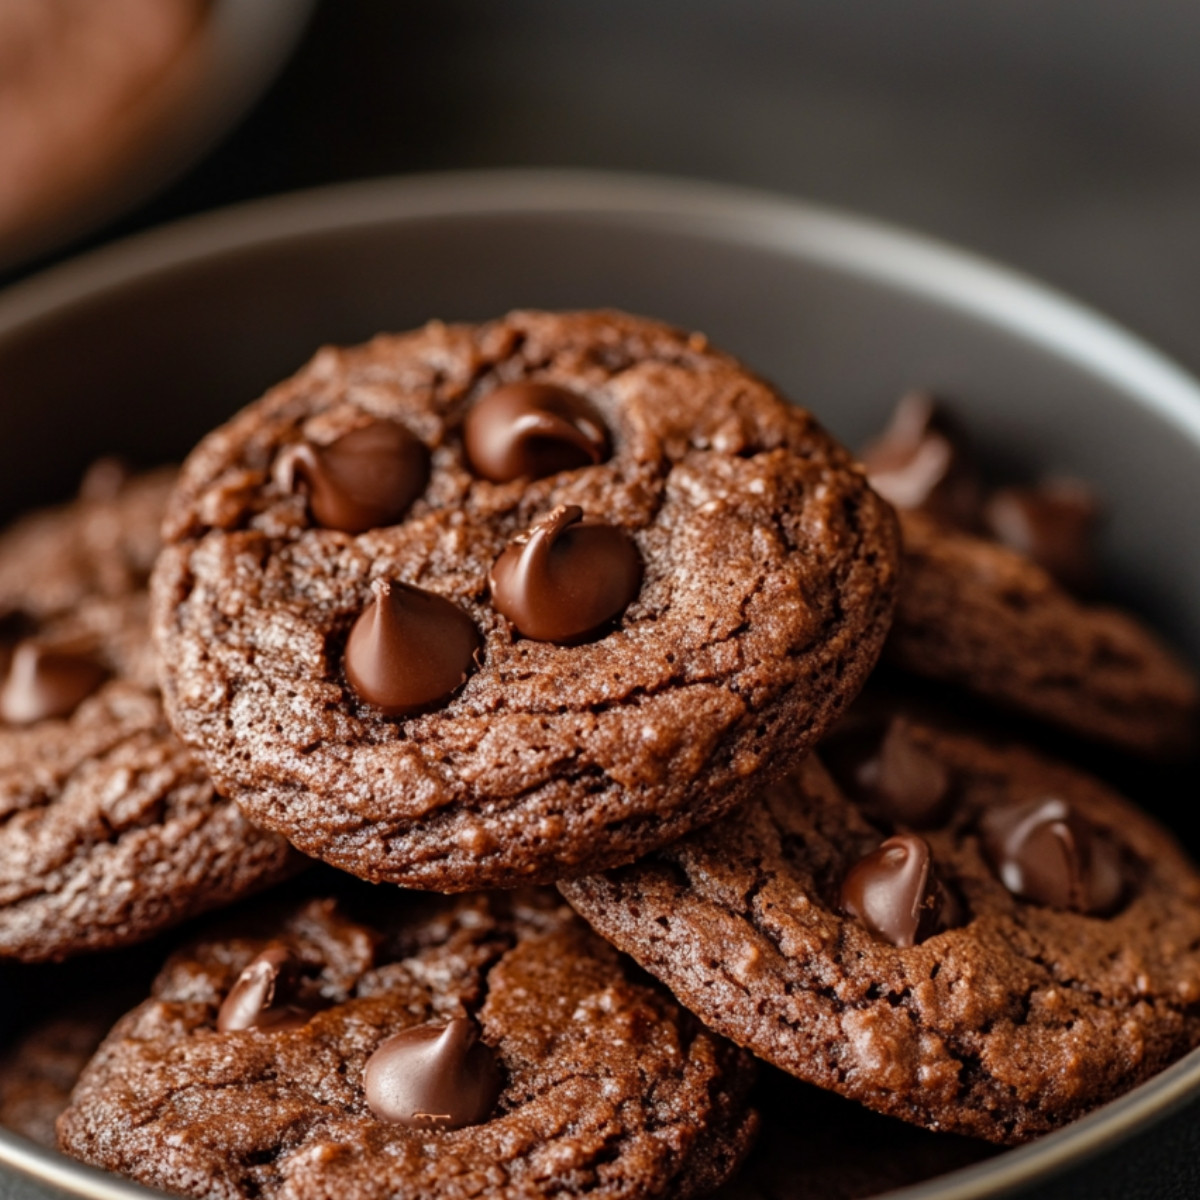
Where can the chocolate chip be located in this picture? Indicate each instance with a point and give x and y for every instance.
(921, 460)
(365, 480)
(1046, 852)
(566, 578)
(433, 1075)
(894, 892)
(259, 1000)
(43, 683)
(532, 429)
(409, 649)
(1054, 524)
(888, 770)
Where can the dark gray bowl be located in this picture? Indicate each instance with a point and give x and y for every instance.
(142, 347)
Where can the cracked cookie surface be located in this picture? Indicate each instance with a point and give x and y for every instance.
(608, 1087)
(101, 545)
(769, 571)
(110, 829)
(975, 613)
(1014, 1021)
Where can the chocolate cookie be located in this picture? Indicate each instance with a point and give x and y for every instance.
(991, 596)
(503, 603)
(101, 545)
(491, 1047)
(110, 829)
(983, 942)
(978, 614)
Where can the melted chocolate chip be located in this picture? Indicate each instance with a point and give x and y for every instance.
(922, 461)
(888, 770)
(532, 429)
(409, 649)
(365, 480)
(259, 1000)
(894, 892)
(1053, 524)
(566, 578)
(43, 683)
(1046, 852)
(439, 1076)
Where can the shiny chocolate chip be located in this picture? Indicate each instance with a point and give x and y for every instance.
(534, 430)
(1054, 524)
(260, 997)
(365, 480)
(889, 770)
(43, 683)
(566, 578)
(410, 649)
(921, 460)
(1046, 852)
(433, 1076)
(895, 893)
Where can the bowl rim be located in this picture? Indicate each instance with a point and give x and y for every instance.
(906, 262)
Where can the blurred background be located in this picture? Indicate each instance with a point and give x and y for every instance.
(1059, 136)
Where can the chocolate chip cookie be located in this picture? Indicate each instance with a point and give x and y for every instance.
(102, 545)
(978, 614)
(483, 605)
(993, 592)
(980, 941)
(110, 829)
(491, 1045)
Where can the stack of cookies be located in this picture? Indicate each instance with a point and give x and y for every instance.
(556, 641)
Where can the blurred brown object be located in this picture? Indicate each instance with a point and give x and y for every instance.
(923, 460)
(1053, 523)
(83, 85)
